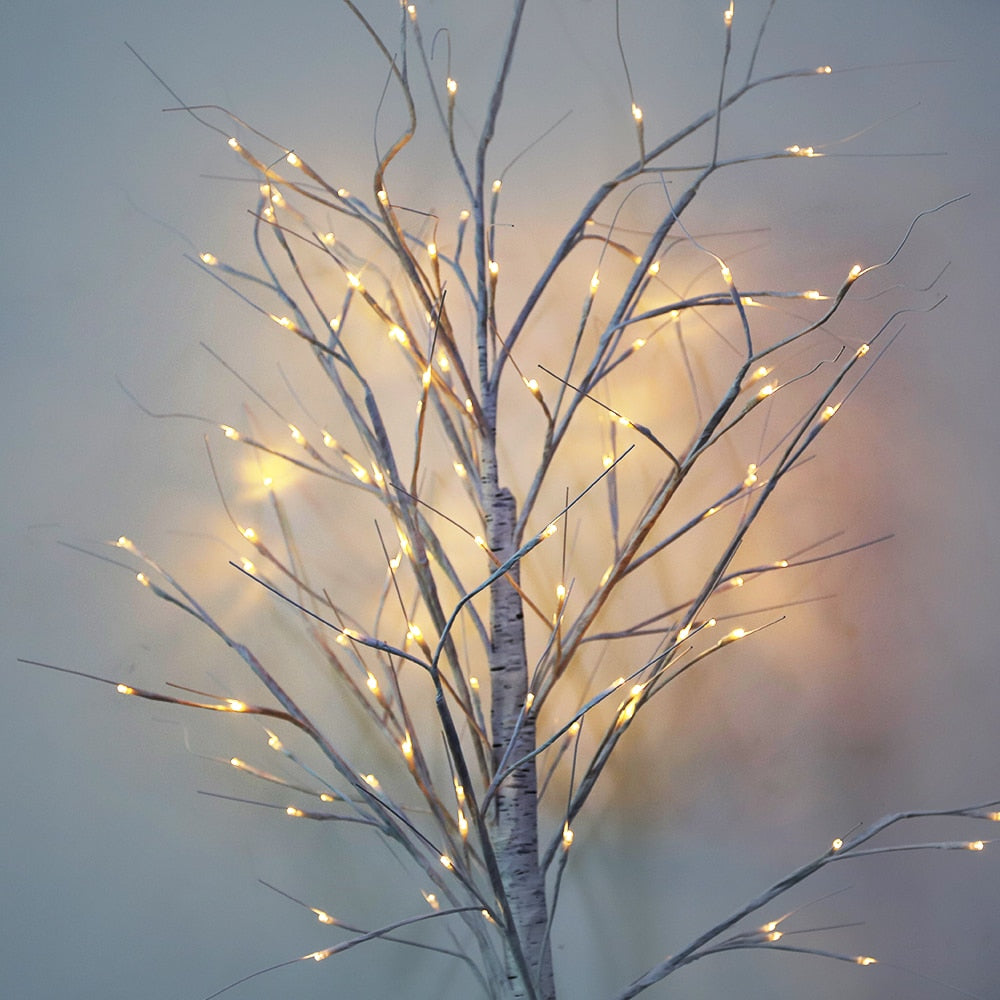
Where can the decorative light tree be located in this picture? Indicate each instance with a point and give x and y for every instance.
(521, 621)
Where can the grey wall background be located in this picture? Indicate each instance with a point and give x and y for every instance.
(118, 880)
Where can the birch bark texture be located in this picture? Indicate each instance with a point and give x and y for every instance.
(514, 812)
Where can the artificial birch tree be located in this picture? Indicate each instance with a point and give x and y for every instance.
(519, 438)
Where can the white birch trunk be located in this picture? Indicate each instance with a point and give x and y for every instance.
(514, 815)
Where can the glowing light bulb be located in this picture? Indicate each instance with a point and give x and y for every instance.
(727, 15)
(406, 745)
(560, 593)
(382, 196)
(125, 543)
(446, 862)
(837, 844)
(567, 837)
(824, 69)
(344, 638)
(142, 578)
(637, 112)
(452, 86)
(550, 530)
(248, 566)
(497, 184)
(124, 689)
(459, 470)
(370, 780)
(638, 344)
(296, 813)
(595, 282)
(854, 272)
(532, 385)
(727, 275)
(654, 268)
(866, 960)
(297, 436)
(208, 258)
(411, 9)
(469, 405)
(759, 373)
(862, 351)
(463, 825)
(765, 391)
(249, 534)
(329, 440)
(292, 160)
(975, 845)
(372, 683)
(529, 700)
(737, 633)
(751, 476)
(494, 268)
(828, 412)
(432, 900)
(626, 713)
(323, 917)
(358, 470)
(352, 279)
(234, 143)
(474, 683)
(343, 193)
(425, 379)
(432, 250)
(328, 239)
(235, 705)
